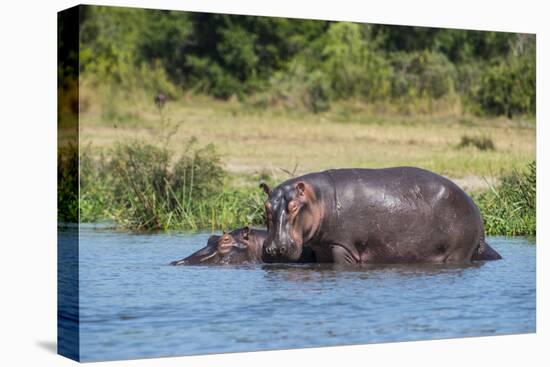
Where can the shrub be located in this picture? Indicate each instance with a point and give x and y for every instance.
(96, 194)
(510, 207)
(317, 92)
(140, 189)
(211, 78)
(198, 173)
(352, 65)
(422, 74)
(225, 55)
(67, 184)
(297, 88)
(147, 188)
(508, 87)
(479, 142)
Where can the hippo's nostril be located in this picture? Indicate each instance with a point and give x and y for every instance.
(282, 250)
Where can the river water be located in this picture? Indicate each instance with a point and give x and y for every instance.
(133, 305)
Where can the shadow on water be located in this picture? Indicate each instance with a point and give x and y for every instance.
(312, 272)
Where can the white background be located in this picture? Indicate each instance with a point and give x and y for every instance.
(28, 181)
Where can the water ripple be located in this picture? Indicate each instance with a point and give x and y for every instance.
(133, 305)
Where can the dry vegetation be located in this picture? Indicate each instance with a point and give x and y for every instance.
(253, 142)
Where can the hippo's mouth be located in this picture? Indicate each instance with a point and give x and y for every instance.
(197, 260)
(282, 254)
(206, 255)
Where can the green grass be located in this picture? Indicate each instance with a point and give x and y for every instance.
(67, 184)
(142, 187)
(510, 207)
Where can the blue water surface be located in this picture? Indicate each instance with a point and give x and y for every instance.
(133, 305)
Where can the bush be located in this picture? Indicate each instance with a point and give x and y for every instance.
(508, 87)
(479, 142)
(198, 173)
(67, 184)
(96, 194)
(140, 189)
(510, 208)
(225, 55)
(352, 65)
(422, 74)
(297, 88)
(147, 188)
(210, 78)
(317, 92)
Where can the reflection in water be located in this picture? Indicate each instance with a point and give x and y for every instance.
(132, 304)
(314, 272)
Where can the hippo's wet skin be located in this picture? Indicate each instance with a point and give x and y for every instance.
(391, 215)
(241, 246)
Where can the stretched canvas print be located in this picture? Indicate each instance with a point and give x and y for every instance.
(232, 183)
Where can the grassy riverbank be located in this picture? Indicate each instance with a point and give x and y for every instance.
(196, 164)
(140, 190)
(144, 187)
(510, 207)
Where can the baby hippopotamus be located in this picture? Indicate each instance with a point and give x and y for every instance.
(240, 246)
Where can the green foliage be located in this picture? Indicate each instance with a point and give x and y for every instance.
(306, 63)
(510, 207)
(352, 64)
(297, 88)
(458, 45)
(67, 184)
(508, 87)
(209, 77)
(422, 74)
(140, 189)
(133, 48)
(236, 49)
(236, 55)
(198, 173)
(96, 195)
(317, 92)
(162, 42)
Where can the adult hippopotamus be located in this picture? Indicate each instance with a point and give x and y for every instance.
(241, 246)
(390, 215)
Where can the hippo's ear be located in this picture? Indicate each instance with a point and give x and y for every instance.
(213, 240)
(301, 188)
(266, 188)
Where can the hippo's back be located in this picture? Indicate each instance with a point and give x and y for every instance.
(405, 186)
(401, 211)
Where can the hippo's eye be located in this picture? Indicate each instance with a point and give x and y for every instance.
(225, 244)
